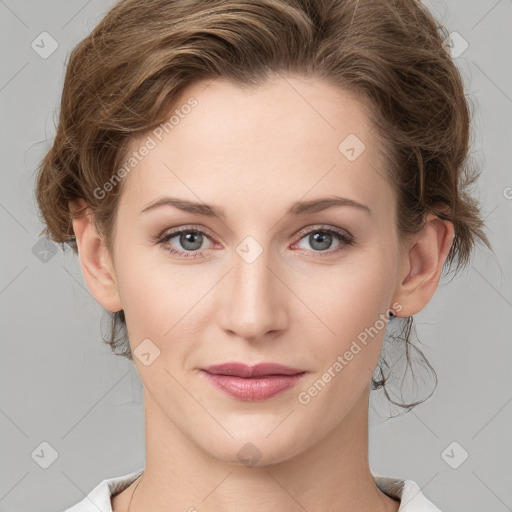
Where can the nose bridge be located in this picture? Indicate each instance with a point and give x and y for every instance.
(253, 307)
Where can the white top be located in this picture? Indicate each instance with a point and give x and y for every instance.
(407, 491)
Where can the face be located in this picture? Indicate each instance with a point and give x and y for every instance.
(261, 282)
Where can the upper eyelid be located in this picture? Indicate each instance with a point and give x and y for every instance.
(171, 233)
(323, 227)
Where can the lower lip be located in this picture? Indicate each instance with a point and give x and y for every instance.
(253, 389)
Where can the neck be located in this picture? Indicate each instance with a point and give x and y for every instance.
(333, 474)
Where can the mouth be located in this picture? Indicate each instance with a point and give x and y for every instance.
(248, 371)
(252, 383)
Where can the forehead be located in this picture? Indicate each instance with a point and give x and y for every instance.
(282, 114)
(286, 139)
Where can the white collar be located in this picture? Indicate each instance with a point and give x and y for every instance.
(406, 491)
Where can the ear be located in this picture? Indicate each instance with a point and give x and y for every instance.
(96, 264)
(423, 265)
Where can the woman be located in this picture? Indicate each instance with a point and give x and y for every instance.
(255, 191)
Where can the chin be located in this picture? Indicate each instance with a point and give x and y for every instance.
(255, 449)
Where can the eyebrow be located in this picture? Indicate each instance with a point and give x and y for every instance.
(297, 208)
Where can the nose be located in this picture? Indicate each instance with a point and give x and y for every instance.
(253, 299)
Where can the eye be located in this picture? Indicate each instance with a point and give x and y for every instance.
(191, 239)
(321, 239)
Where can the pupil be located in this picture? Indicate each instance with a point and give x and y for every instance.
(189, 238)
(323, 238)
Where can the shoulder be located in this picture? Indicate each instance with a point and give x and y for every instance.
(99, 498)
(407, 492)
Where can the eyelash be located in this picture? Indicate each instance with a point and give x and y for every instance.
(346, 240)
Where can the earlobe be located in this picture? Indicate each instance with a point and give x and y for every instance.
(94, 258)
(424, 265)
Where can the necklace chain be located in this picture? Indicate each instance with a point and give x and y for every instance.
(131, 498)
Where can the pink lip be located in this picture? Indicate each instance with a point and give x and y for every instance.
(258, 370)
(252, 383)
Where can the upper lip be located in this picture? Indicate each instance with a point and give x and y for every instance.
(244, 370)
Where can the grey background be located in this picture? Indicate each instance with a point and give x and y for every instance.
(61, 385)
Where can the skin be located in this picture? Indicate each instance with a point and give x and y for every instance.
(253, 153)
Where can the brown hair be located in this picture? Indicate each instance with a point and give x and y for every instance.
(122, 79)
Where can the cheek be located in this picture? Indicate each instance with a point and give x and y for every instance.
(350, 352)
(160, 300)
(355, 312)
(144, 292)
